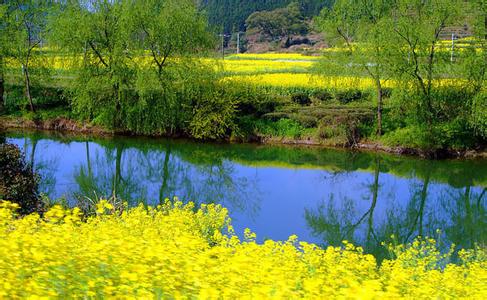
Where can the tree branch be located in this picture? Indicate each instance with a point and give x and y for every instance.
(412, 46)
(345, 37)
(97, 54)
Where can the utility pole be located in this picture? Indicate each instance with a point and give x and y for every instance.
(223, 35)
(223, 44)
(238, 42)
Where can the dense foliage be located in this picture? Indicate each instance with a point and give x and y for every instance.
(279, 23)
(145, 67)
(230, 15)
(175, 251)
(138, 71)
(437, 84)
(18, 182)
(22, 29)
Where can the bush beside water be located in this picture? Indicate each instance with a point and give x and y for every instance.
(18, 182)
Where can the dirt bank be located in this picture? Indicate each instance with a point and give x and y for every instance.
(57, 124)
(68, 125)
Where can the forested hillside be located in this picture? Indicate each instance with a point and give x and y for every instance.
(231, 14)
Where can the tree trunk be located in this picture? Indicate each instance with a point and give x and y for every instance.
(375, 194)
(88, 160)
(379, 108)
(27, 88)
(118, 172)
(469, 224)
(424, 195)
(33, 154)
(116, 121)
(165, 175)
(2, 91)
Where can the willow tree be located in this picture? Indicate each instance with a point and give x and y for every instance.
(475, 66)
(133, 60)
(94, 34)
(3, 42)
(169, 37)
(167, 29)
(358, 28)
(416, 27)
(22, 31)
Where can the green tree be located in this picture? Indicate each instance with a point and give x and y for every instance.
(23, 29)
(360, 29)
(475, 66)
(227, 14)
(278, 23)
(167, 29)
(404, 41)
(99, 36)
(140, 69)
(3, 43)
(170, 35)
(416, 28)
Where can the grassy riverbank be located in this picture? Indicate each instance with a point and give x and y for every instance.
(156, 72)
(178, 251)
(270, 98)
(60, 122)
(274, 98)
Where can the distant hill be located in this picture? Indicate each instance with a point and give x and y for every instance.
(230, 15)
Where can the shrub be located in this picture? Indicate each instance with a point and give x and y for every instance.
(44, 97)
(213, 117)
(410, 137)
(322, 95)
(305, 120)
(281, 128)
(244, 129)
(478, 118)
(212, 123)
(453, 119)
(333, 134)
(347, 96)
(301, 99)
(18, 182)
(386, 92)
(254, 102)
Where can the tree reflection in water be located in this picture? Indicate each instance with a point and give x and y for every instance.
(459, 213)
(44, 168)
(367, 197)
(104, 174)
(127, 172)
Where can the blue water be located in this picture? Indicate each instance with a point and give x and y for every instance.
(323, 196)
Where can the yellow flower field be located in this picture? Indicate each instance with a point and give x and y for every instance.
(288, 80)
(236, 66)
(264, 66)
(310, 81)
(274, 56)
(176, 252)
(281, 70)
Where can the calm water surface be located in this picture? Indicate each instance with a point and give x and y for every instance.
(324, 196)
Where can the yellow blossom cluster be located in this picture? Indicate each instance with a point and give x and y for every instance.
(274, 56)
(234, 66)
(241, 66)
(176, 251)
(289, 80)
(310, 81)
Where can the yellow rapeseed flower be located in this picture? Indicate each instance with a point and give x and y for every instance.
(175, 251)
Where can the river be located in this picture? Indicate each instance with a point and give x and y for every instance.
(323, 196)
